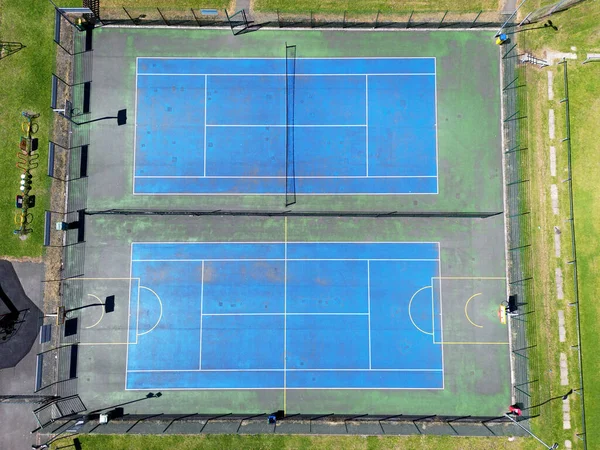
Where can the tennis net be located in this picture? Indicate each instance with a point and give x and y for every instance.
(290, 168)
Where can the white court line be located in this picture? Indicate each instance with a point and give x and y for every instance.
(161, 310)
(437, 162)
(201, 312)
(410, 314)
(272, 194)
(272, 58)
(276, 259)
(129, 302)
(285, 254)
(276, 177)
(278, 388)
(367, 125)
(205, 108)
(393, 74)
(441, 314)
(283, 370)
(255, 125)
(135, 126)
(286, 314)
(369, 306)
(300, 242)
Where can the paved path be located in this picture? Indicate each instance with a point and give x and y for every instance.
(509, 6)
(245, 4)
(17, 420)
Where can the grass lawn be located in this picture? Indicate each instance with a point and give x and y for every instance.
(172, 4)
(24, 85)
(577, 27)
(374, 5)
(271, 442)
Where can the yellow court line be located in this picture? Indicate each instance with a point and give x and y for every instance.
(467, 313)
(101, 315)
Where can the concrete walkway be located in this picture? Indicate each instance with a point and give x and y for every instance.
(16, 419)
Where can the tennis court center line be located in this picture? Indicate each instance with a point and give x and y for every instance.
(285, 240)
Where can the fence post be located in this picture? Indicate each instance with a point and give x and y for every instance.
(129, 15)
(196, 17)
(477, 17)
(278, 20)
(311, 19)
(409, 18)
(163, 17)
(441, 21)
(344, 20)
(376, 19)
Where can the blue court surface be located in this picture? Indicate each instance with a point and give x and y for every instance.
(285, 315)
(227, 126)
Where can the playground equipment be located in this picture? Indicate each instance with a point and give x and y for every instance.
(27, 159)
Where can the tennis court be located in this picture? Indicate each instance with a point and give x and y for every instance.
(228, 299)
(284, 315)
(221, 126)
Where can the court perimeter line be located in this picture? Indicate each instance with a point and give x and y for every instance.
(286, 313)
(469, 278)
(205, 108)
(410, 314)
(130, 267)
(439, 246)
(278, 259)
(304, 388)
(367, 123)
(273, 242)
(285, 240)
(437, 162)
(256, 125)
(201, 313)
(393, 74)
(369, 306)
(271, 58)
(282, 370)
(277, 177)
(137, 59)
(472, 343)
(467, 313)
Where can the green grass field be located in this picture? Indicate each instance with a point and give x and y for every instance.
(288, 442)
(366, 6)
(577, 32)
(24, 85)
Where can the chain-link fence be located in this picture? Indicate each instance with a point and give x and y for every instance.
(169, 17)
(522, 322)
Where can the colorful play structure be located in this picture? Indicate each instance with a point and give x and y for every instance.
(27, 160)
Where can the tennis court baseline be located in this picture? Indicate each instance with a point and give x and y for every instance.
(284, 315)
(210, 126)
